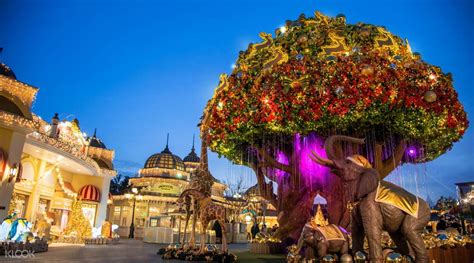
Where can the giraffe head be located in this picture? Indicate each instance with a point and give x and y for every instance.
(180, 201)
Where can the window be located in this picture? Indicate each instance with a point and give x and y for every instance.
(116, 216)
(141, 214)
(89, 211)
(154, 222)
(20, 202)
(124, 216)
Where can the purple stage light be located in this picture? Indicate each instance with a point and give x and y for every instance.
(304, 146)
(412, 152)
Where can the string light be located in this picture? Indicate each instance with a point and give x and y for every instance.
(25, 93)
(15, 120)
(66, 190)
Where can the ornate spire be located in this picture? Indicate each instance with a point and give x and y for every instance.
(167, 150)
(192, 156)
(95, 133)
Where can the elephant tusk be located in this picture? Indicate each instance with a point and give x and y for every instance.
(320, 160)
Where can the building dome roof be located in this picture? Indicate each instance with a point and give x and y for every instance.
(6, 71)
(192, 157)
(166, 159)
(96, 142)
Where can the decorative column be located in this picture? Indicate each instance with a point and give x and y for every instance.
(14, 149)
(33, 200)
(104, 197)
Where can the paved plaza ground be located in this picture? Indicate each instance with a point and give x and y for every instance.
(128, 251)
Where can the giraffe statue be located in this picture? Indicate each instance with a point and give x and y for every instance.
(208, 211)
(202, 181)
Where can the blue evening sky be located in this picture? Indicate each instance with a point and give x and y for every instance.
(136, 70)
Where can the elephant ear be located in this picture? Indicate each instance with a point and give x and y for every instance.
(368, 182)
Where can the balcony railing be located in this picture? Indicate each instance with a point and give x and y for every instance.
(64, 146)
(72, 149)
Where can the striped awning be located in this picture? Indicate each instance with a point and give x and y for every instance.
(89, 193)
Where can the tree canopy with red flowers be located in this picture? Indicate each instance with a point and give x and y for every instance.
(322, 76)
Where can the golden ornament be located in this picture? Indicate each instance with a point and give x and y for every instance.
(430, 96)
(367, 70)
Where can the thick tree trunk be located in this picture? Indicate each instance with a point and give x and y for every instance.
(295, 194)
(336, 202)
(295, 211)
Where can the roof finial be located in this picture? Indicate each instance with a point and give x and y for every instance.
(95, 133)
(192, 149)
(167, 150)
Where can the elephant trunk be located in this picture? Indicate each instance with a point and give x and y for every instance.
(329, 144)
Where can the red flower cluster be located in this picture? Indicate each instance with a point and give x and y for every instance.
(359, 91)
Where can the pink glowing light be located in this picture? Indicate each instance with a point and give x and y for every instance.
(281, 158)
(303, 147)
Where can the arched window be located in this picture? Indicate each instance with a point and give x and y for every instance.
(8, 106)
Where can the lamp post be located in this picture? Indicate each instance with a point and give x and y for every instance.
(132, 196)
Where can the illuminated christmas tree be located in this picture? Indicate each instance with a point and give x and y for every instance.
(77, 224)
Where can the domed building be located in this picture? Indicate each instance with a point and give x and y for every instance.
(158, 185)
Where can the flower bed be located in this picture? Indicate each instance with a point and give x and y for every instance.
(193, 254)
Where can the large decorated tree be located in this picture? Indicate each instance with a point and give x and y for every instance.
(77, 224)
(317, 77)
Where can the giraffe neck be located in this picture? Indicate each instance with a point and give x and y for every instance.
(204, 161)
(204, 202)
